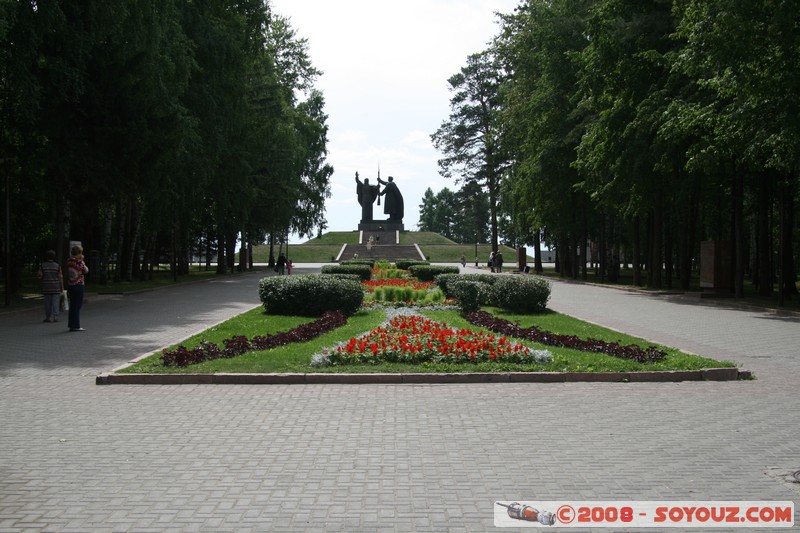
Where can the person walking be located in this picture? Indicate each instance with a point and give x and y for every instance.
(281, 265)
(76, 269)
(52, 286)
(498, 262)
(463, 260)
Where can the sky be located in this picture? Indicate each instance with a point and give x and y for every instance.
(385, 67)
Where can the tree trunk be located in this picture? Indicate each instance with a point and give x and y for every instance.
(656, 247)
(122, 220)
(583, 242)
(738, 232)
(788, 275)
(687, 239)
(221, 253)
(637, 252)
(133, 244)
(763, 242)
(537, 251)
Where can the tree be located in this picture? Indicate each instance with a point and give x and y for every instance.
(751, 113)
(471, 138)
(538, 45)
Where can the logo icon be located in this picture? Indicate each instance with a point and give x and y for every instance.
(527, 513)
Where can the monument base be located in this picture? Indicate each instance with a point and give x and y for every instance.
(381, 225)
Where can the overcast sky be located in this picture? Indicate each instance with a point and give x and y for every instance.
(385, 67)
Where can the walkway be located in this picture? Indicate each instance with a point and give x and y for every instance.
(79, 457)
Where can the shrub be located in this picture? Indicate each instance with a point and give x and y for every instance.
(351, 277)
(309, 295)
(364, 271)
(405, 264)
(369, 262)
(389, 273)
(429, 272)
(468, 295)
(523, 294)
(444, 280)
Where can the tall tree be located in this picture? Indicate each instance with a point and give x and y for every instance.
(471, 138)
(538, 44)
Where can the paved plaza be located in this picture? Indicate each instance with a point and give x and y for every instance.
(78, 457)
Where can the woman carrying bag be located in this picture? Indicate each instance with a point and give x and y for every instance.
(76, 269)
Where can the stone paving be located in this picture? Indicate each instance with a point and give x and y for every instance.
(77, 457)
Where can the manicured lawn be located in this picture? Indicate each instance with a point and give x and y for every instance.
(296, 357)
(300, 253)
(451, 253)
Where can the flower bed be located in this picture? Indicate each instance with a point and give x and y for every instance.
(651, 354)
(414, 339)
(237, 345)
(373, 284)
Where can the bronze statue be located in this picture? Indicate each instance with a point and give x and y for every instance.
(393, 205)
(366, 196)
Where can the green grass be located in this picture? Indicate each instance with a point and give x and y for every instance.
(300, 253)
(334, 237)
(451, 253)
(286, 359)
(423, 237)
(296, 357)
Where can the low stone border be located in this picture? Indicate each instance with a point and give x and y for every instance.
(708, 374)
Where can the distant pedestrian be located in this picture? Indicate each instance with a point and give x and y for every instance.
(52, 286)
(281, 264)
(498, 262)
(76, 269)
(289, 266)
(463, 260)
(491, 261)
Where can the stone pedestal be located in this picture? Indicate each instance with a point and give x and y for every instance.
(381, 225)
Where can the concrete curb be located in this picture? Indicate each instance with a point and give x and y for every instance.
(708, 374)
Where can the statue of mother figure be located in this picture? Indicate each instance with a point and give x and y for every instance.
(393, 205)
(366, 195)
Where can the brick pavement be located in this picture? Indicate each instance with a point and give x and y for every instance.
(84, 458)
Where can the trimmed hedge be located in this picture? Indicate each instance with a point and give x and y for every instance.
(405, 264)
(369, 262)
(429, 272)
(443, 280)
(363, 271)
(467, 293)
(309, 295)
(523, 294)
(351, 277)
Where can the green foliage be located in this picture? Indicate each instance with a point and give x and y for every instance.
(467, 293)
(444, 281)
(363, 271)
(390, 273)
(176, 122)
(471, 139)
(351, 277)
(461, 216)
(522, 294)
(309, 295)
(349, 262)
(406, 294)
(429, 272)
(405, 264)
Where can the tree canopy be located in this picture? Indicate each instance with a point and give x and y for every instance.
(156, 130)
(632, 130)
